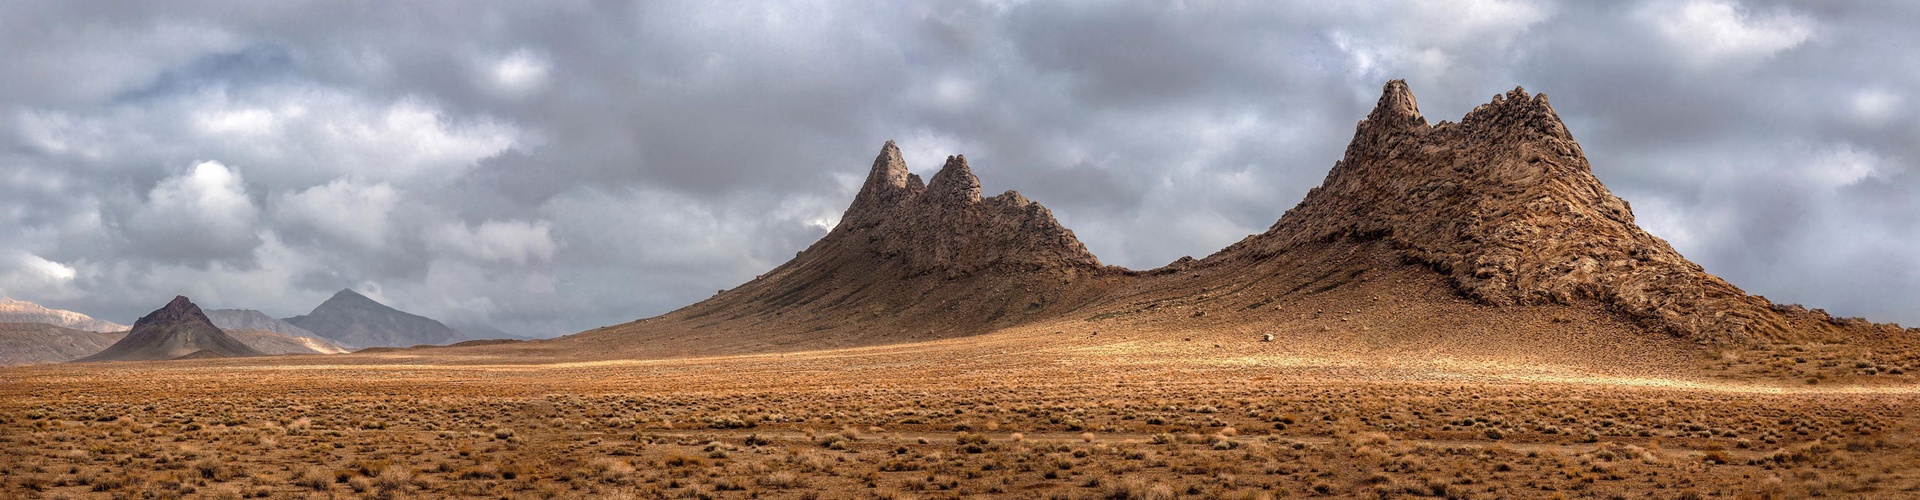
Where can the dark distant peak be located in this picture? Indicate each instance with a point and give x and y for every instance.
(180, 309)
(348, 296)
(954, 183)
(1397, 108)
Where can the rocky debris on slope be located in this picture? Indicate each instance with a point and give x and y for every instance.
(20, 311)
(945, 227)
(354, 320)
(1505, 205)
(177, 330)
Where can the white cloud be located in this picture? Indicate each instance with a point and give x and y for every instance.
(307, 134)
(1876, 106)
(519, 73)
(1428, 40)
(518, 242)
(30, 275)
(204, 208)
(1719, 31)
(1842, 165)
(344, 209)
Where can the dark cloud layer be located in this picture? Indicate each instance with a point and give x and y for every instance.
(553, 167)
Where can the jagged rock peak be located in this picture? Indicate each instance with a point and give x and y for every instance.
(889, 170)
(1518, 112)
(954, 182)
(1396, 109)
(180, 309)
(888, 185)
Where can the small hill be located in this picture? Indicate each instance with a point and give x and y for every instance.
(248, 319)
(20, 311)
(179, 329)
(352, 319)
(35, 343)
(908, 261)
(483, 331)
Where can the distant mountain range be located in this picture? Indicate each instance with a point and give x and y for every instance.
(35, 343)
(20, 311)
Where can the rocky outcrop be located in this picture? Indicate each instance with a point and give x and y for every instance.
(945, 227)
(1505, 205)
(171, 332)
(354, 320)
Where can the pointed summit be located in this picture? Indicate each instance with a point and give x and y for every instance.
(1396, 109)
(180, 309)
(888, 185)
(954, 183)
(178, 330)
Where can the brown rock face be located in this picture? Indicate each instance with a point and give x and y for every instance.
(1505, 206)
(946, 228)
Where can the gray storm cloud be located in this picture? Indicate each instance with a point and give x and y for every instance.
(547, 168)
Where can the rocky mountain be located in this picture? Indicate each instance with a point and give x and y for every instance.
(248, 319)
(35, 343)
(354, 320)
(179, 330)
(1487, 239)
(20, 311)
(909, 260)
(1505, 207)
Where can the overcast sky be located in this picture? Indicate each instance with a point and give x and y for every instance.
(550, 166)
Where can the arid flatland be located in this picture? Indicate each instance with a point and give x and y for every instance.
(1014, 414)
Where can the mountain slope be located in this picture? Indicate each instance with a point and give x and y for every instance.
(908, 261)
(352, 319)
(248, 319)
(20, 311)
(178, 330)
(35, 343)
(271, 343)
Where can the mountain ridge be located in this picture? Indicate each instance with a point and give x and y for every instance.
(354, 320)
(20, 311)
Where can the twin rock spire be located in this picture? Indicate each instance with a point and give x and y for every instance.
(945, 226)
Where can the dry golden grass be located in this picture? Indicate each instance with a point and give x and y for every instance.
(1014, 414)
